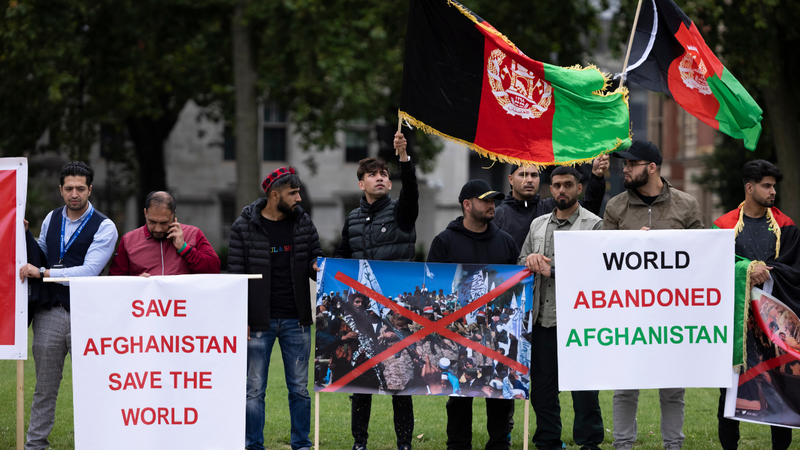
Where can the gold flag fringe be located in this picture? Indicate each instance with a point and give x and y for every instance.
(499, 156)
(750, 269)
(772, 223)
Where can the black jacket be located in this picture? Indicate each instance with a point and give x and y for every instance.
(249, 252)
(515, 216)
(457, 244)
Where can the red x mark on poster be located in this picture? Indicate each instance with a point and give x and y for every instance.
(789, 356)
(428, 327)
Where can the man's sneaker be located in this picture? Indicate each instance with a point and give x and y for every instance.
(359, 447)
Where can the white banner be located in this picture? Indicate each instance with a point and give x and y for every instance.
(13, 255)
(644, 309)
(159, 362)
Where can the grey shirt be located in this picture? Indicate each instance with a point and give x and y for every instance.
(546, 295)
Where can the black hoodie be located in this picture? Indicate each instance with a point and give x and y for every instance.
(515, 216)
(457, 244)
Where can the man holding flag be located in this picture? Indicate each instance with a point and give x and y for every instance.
(760, 231)
(382, 229)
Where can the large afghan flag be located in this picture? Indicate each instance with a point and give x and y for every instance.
(669, 55)
(785, 273)
(466, 82)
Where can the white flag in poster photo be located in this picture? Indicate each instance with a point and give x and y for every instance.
(428, 273)
(367, 277)
(516, 318)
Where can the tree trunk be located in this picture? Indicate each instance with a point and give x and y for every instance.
(783, 117)
(246, 131)
(148, 136)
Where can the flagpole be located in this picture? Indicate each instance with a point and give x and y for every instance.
(400, 126)
(316, 420)
(630, 43)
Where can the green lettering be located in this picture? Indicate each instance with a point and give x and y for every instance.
(703, 334)
(573, 337)
(654, 335)
(676, 332)
(638, 335)
(587, 336)
(605, 341)
(723, 334)
(617, 335)
(691, 329)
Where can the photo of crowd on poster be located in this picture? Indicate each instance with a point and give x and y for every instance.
(483, 353)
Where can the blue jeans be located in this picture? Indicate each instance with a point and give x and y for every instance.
(295, 342)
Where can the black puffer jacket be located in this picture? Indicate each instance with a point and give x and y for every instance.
(515, 216)
(249, 252)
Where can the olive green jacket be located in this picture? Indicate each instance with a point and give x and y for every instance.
(672, 209)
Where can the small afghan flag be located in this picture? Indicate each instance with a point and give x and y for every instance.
(670, 56)
(785, 273)
(466, 82)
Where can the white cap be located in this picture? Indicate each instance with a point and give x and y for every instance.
(444, 363)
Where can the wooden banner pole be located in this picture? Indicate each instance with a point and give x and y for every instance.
(527, 409)
(316, 420)
(20, 404)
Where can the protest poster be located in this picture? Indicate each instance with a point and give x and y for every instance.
(159, 362)
(768, 389)
(422, 329)
(13, 255)
(644, 309)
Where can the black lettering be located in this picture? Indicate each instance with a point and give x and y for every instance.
(638, 261)
(678, 264)
(650, 257)
(664, 263)
(615, 260)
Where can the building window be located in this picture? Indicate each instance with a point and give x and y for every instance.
(356, 145)
(274, 136)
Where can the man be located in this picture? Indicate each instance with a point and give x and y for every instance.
(650, 203)
(538, 256)
(756, 241)
(474, 239)
(276, 238)
(515, 214)
(383, 229)
(146, 251)
(78, 242)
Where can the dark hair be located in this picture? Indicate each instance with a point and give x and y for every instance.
(370, 165)
(757, 169)
(77, 169)
(161, 199)
(566, 170)
(291, 180)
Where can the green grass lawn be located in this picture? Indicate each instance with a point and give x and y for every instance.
(700, 426)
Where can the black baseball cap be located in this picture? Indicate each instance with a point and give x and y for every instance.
(641, 151)
(478, 189)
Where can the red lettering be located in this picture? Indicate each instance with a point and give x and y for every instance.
(697, 293)
(598, 299)
(205, 377)
(227, 345)
(186, 416)
(151, 343)
(162, 414)
(180, 305)
(618, 301)
(202, 340)
(152, 414)
(165, 416)
(174, 420)
(644, 299)
(668, 293)
(629, 298)
(581, 300)
(708, 296)
(153, 308)
(164, 310)
(90, 347)
(104, 344)
(115, 383)
(213, 344)
(138, 311)
(131, 417)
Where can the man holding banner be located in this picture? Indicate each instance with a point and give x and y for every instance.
(274, 237)
(538, 256)
(757, 223)
(382, 229)
(650, 203)
(78, 242)
(474, 239)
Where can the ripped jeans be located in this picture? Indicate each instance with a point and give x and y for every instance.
(295, 342)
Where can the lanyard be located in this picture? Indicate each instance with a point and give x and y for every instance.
(64, 248)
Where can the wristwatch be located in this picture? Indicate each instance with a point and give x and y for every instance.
(42, 270)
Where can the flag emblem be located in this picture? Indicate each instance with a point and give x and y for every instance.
(516, 88)
(693, 71)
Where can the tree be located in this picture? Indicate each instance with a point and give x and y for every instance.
(752, 38)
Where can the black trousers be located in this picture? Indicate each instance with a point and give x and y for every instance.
(459, 423)
(587, 430)
(729, 430)
(360, 408)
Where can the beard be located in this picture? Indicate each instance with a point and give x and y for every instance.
(285, 208)
(637, 182)
(481, 217)
(566, 204)
(764, 201)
